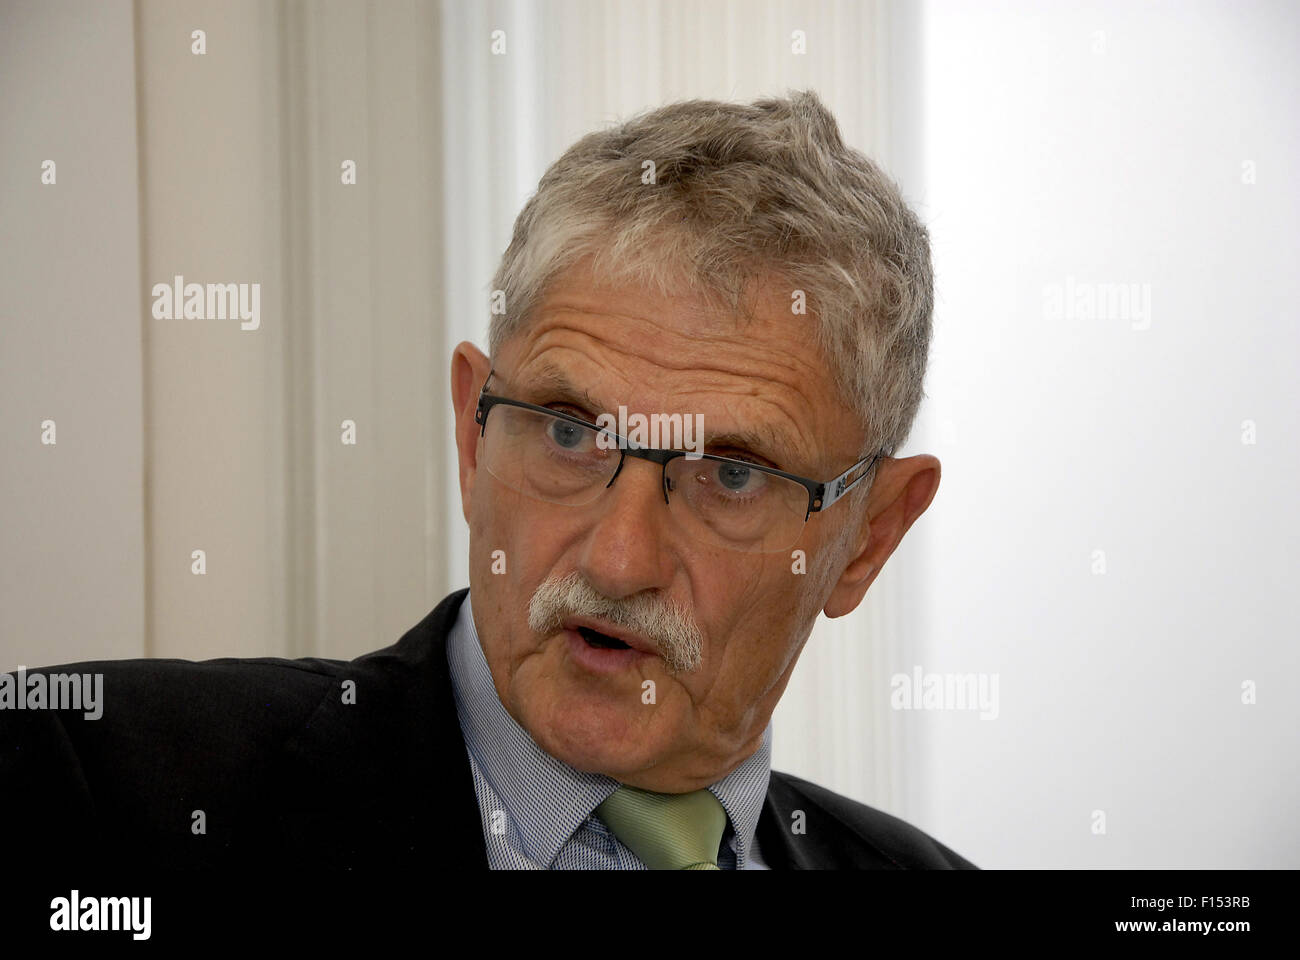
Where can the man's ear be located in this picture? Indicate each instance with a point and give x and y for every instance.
(469, 371)
(902, 491)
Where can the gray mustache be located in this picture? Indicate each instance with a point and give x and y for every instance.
(672, 629)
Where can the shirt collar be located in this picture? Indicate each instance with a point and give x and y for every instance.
(520, 772)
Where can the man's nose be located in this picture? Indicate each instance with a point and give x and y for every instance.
(627, 548)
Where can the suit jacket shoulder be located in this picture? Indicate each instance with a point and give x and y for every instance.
(176, 758)
(842, 834)
(309, 762)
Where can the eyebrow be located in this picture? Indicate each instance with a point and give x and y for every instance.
(552, 382)
(764, 440)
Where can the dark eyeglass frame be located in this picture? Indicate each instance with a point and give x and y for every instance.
(821, 493)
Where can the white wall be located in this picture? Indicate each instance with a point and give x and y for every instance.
(180, 435)
(72, 574)
(1105, 143)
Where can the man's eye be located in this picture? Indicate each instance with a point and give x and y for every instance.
(737, 478)
(732, 476)
(568, 435)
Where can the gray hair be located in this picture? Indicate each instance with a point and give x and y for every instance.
(717, 196)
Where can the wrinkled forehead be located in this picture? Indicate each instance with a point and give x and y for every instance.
(760, 376)
(681, 327)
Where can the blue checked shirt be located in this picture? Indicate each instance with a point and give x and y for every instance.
(537, 811)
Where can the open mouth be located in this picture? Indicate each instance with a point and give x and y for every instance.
(595, 638)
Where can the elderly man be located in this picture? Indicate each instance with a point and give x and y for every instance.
(600, 697)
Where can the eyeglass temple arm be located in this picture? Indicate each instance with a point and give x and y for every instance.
(480, 412)
(832, 490)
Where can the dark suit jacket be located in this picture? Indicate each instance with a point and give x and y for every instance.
(286, 773)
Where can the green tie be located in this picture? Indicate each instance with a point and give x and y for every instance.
(668, 831)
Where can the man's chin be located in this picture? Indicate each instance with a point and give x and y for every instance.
(596, 736)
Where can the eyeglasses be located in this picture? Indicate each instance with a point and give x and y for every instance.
(559, 458)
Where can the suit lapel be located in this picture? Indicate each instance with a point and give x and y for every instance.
(386, 779)
(827, 839)
(780, 846)
(448, 760)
